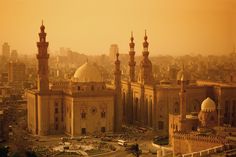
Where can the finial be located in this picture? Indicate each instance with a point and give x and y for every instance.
(42, 27)
(131, 44)
(145, 37)
(132, 37)
(117, 56)
(145, 43)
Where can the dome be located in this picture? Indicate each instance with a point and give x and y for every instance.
(88, 72)
(208, 105)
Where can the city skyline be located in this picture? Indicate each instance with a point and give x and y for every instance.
(203, 27)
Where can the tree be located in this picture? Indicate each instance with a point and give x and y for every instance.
(4, 151)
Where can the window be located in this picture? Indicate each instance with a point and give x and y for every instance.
(92, 88)
(78, 87)
(83, 115)
(103, 129)
(83, 131)
(56, 119)
(56, 110)
(103, 114)
(176, 107)
(226, 109)
(161, 125)
(62, 112)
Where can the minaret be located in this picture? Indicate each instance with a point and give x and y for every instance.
(42, 56)
(43, 100)
(132, 62)
(182, 96)
(145, 76)
(118, 105)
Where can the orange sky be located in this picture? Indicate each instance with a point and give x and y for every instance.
(90, 26)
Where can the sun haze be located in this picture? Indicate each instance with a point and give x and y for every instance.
(174, 27)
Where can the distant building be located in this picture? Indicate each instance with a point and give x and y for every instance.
(113, 51)
(6, 50)
(16, 72)
(4, 77)
(14, 55)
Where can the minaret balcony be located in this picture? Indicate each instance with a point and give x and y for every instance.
(43, 56)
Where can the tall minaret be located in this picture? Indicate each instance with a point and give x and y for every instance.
(145, 76)
(42, 56)
(118, 105)
(182, 96)
(132, 62)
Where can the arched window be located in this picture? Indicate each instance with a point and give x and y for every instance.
(103, 114)
(176, 107)
(83, 115)
(195, 106)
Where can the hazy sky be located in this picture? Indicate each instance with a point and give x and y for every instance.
(90, 26)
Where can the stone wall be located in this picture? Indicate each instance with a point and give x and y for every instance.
(186, 143)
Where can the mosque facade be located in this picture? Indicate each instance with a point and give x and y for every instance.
(83, 105)
(147, 102)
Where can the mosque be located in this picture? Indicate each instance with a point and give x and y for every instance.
(86, 104)
(80, 106)
(148, 103)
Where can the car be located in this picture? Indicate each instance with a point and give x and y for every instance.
(122, 143)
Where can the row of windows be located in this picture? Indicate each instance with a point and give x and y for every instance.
(56, 111)
(84, 114)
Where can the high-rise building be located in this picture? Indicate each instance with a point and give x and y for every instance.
(6, 50)
(16, 72)
(113, 51)
(14, 55)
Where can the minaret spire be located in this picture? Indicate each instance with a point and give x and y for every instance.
(132, 62)
(42, 56)
(146, 76)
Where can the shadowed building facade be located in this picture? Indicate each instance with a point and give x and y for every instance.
(148, 102)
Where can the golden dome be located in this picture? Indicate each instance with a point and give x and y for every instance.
(208, 105)
(88, 72)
